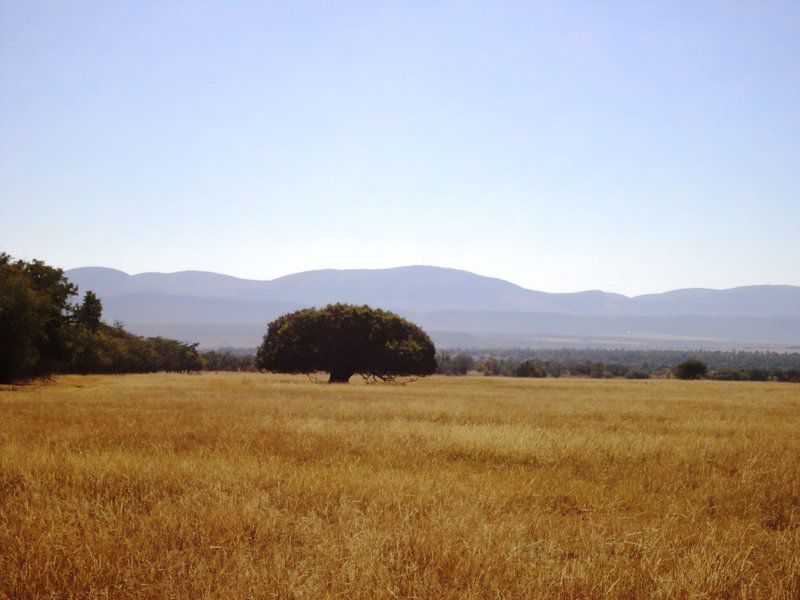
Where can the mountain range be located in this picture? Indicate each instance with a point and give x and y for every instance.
(458, 308)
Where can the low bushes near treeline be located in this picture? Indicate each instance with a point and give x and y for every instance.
(228, 359)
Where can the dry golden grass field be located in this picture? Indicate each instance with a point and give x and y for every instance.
(246, 485)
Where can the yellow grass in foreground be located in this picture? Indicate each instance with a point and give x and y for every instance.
(239, 486)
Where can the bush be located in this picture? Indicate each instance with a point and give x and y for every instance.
(637, 374)
(460, 364)
(530, 368)
(691, 368)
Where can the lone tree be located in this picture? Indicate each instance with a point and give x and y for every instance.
(343, 340)
(691, 368)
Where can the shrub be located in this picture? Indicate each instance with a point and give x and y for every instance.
(691, 368)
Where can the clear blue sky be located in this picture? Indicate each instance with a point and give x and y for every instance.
(630, 147)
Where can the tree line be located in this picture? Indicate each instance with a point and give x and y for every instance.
(637, 364)
(44, 331)
(652, 359)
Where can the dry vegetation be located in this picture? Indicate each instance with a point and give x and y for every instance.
(242, 486)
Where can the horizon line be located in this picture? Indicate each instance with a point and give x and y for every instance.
(332, 269)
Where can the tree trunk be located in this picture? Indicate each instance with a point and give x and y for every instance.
(340, 376)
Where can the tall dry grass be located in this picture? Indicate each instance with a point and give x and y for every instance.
(236, 486)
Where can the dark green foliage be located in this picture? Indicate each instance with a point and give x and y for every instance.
(730, 375)
(42, 333)
(530, 368)
(788, 375)
(34, 318)
(458, 364)
(691, 368)
(21, 323)
(111, 349)
(53, 291)
(637, 374)
(758, 375)
(227, 360)
(653, 361)
(632, 364)
(174, 355)
(785, 375)
(343, 340)
(491, 366)
(90, 311)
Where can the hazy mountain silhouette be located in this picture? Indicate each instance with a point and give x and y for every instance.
(444, 301)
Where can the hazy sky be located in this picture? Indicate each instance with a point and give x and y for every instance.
(629, 147)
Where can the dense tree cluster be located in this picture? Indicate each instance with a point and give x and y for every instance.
(654, 361)
(112, 349)
(43, 332)
(454, 364)
(530, 368)
(228, 359)
(342, 340)
(633, 364)
(785, 375)
(691, 368)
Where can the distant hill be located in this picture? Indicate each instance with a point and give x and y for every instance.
(413, 288)
(455, 304)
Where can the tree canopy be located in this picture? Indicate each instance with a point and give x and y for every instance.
(691, 368)
(343, 340)
(34, 317)
(43, 332)
(90, 312)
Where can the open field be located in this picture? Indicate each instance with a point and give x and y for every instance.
(245, 485)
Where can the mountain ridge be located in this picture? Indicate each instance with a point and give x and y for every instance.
(222, 310)
(397, 283)
(80, 270)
